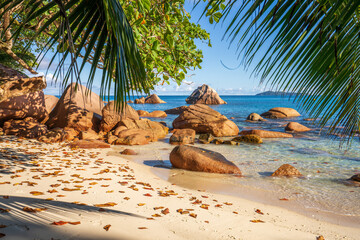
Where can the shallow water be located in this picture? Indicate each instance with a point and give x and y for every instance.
(324, 165)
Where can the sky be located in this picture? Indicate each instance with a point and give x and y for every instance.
(238, 81)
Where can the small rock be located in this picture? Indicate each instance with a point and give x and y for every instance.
(286, 170)
(296, 127)
(233, 143)
(206, 138)
(355, 178)
(140, 100)
(183, 136)
(128, 152)
(251, 138)
(217, 141)
(255, 117)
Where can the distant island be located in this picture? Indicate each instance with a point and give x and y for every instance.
(272, 93)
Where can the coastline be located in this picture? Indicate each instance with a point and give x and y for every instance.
(128, 218)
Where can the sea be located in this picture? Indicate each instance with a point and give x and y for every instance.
(325, 164)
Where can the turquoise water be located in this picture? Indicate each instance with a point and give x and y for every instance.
(324, 165)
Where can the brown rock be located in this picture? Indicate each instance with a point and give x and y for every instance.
(280, 112)
(21, 107)
(217, 141)
(158, 131)
(286, 170)
(89, 143)
(204, 119)
(142, 113)
(355, 178)
(28, 128)
(14, 83)
(89, 134)
(232, 143)
(320, 237)
(183, 136)
(251, 138)
(202, 160)
(176, 111)
(140, 100)
(296, 127)
(157, 114)
(111, 139)
(128, 152)
(205, 95)
(255, 117)
(50, 102)
(54, 136)
(70, 134)
(112, 116)
(134, 137)
(153, 99)
(74, 110)
(119, 129)
(130, 101)
(266, 134)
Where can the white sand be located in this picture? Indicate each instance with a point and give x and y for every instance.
(93, 170)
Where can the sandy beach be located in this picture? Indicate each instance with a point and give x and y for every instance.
(93, 190)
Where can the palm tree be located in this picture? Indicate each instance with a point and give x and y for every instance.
(311, 48)
(83, 28)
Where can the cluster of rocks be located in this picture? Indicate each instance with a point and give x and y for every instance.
(79, 116)
(152, 99)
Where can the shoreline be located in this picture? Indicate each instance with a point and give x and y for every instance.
(137, 195)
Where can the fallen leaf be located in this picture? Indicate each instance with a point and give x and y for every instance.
(256, 221)
(147, 195)
(234, 212)
(141, 204)
(165, 211)
(284, 199)
(227, 203)
(107, 227)
(60, 223)
(109, 204)
(150, 219)
(4, 210)
(33, 210)
(142, 228)
(36, 193)
(156, 215)
(259, 211)
(193, 215)
(74, 223)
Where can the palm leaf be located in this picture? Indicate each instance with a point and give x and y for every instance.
(311, 48)
(86, 25)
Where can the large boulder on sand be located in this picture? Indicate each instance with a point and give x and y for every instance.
(204, 119)
(280, 112)
(21, 107)
(205, 95)
(183, 136)
(286, 170)
(266, 134)
(77, 110)
(50, 102)
(296, 127)
(112, 115)
(202, 160)
(28, 128)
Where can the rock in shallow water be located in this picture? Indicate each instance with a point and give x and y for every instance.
(201, 160)
(254, 117)
(205, 95)
(296, 127)
(266, 134)
(280, 112)
(286, 170)
(251, 138)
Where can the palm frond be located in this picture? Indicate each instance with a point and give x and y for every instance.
(311, 48)
(104, 24)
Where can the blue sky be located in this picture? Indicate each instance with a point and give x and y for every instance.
(213, 73)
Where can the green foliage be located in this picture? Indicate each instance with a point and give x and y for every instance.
(306, 47)
(165, 37)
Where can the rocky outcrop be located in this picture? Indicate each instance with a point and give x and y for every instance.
(205, 95)
(266, 134)
(280, 112)
(251, 138)
(183, 136)
(286, 170)
(152, 99)
(50, 102)
(157, 130)
(176, 111)
(254, 117)
(28, 128)
(204, 119)
(154, 114)
(202, 160)
(21, 107)
(89, 144)
(296, 127)
(140, 100)
(14, 83)
(135, 137)
(76, 110)
(111, 115)
(89, 134)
